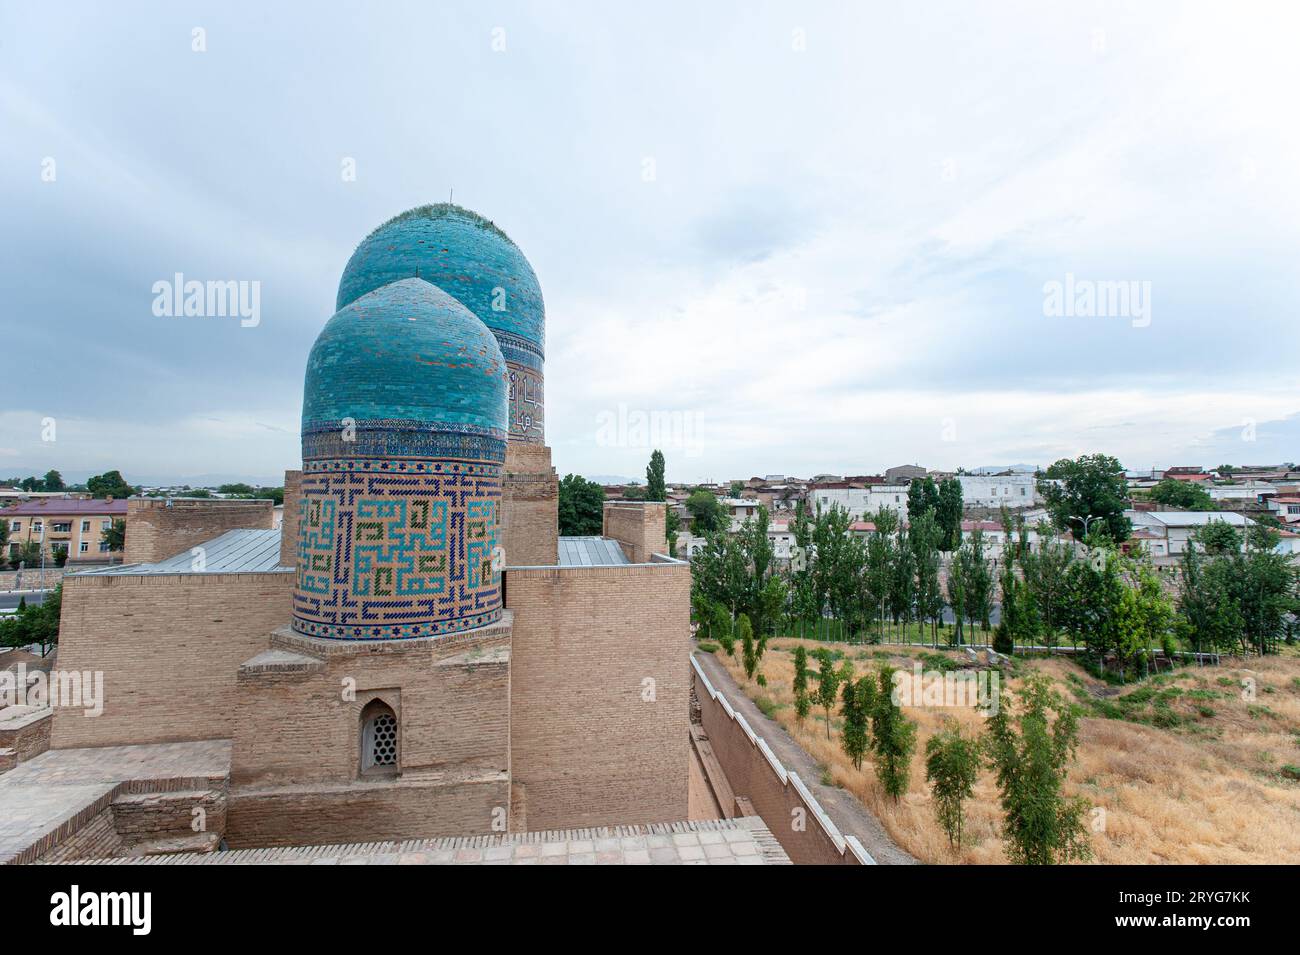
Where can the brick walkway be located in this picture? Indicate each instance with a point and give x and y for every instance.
(51, 795)
(707, 842)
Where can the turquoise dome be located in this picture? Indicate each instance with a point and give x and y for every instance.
(466, 256)
(409, 357)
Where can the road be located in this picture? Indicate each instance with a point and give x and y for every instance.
(9, 599)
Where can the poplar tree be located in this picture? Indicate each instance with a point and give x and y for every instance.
(952, 764)
(856, 737)
(1031, 754)
(828, 682)
(802, 703)
(893, 738)
(748, 653)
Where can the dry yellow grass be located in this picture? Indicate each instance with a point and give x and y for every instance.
(1208, 790)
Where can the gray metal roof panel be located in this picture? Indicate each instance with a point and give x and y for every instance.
(590, 552)
(234, 552)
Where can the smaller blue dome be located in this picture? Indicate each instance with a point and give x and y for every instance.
(406, 355)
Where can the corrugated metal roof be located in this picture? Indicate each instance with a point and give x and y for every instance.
(590, 552)
(234, 552)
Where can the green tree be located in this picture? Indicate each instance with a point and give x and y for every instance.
(114, 535)
(952, 765)
(802, 702)
(1184, 495)
(893, 738)
(1217, 537)
(948, 513)
(53, 481)
(581, 507)
(957, 597)
(1090, 486)
(922, 498)
(856, 704)
(748, 652)
(977, 580)
(828, 683)
(926, 559)
(1044, 572)
(34, 625)
(109, 484)
(707, 513)
(655, 489)
(672, 527)
(237, 488)
(1031, 753)
(28, 554)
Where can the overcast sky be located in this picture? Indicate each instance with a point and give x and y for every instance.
(805, 237)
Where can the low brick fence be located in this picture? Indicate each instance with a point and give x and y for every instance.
(778, 795)
(31, 578)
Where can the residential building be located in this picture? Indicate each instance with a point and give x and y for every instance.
(1177, 527)
(1013, 490)
(74, 525)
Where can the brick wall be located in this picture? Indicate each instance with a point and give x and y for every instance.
(586, 747)
(97, 839)
(28, 735)
(156, 531)
(289, 526)
(780, 797)
(638, 526)
(362, 812)
(451, 699)
(169, 646)
(530, 506)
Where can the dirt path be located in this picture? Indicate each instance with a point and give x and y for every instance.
(852, 818)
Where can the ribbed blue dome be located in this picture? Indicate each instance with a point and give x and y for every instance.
(406, 355)
(466, 256)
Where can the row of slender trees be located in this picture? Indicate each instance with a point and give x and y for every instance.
(1229, 594)
(1028, 743)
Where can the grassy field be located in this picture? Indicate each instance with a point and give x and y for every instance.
(1186, 766)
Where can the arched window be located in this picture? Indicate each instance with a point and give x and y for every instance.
(378, 739)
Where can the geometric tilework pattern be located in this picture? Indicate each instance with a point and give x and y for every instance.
(390, 556)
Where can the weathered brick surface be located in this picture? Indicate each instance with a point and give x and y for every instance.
(451, 699)
(27, 737)
(529, 502)
(141, 816)
(169, 646)
(586, 745)
(289, 525)
(97, 839)
(363, 812)
(156, 531)
(638, 526)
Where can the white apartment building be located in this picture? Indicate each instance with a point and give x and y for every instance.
(861, 502)
(998, 490)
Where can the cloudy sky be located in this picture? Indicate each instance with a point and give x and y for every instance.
(772, 238)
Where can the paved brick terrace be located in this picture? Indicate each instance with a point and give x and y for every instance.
(744, 841)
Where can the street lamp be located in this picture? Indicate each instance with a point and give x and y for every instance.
(1086, 522)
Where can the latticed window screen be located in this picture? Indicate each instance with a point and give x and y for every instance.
(381, 741)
